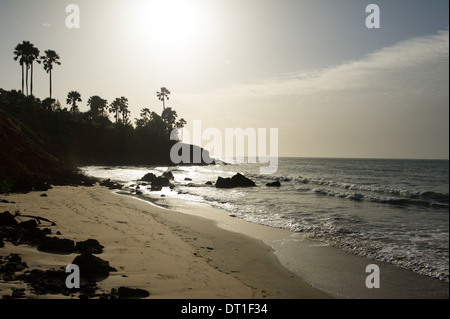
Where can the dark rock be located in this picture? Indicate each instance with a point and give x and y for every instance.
(168, 175)
(7, 219)
(209, 183)
(237, 180)
(57, 245)
(161, 181)
(92, 266)
(89, 246)
(33, 236)
(149, 177)
(43, 195)
(242, 181)
(125, 292)
(158, 181)
(46, 282)
(274, 184)
(188, 179)
(224, 183)
(10, 265)
(28, 225)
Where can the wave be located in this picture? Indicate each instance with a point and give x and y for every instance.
(362, 192)
(419, 201)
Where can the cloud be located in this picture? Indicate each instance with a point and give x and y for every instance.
(395, 98)
(414, 60)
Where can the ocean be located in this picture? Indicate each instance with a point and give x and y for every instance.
(389, 210)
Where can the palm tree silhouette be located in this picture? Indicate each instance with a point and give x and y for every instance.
(50, 58)
(31, 55)
(27, 53)
(124, 109)
(34, 56)
(163, 95)
(120, 105)
(19, 52)
(72, 98)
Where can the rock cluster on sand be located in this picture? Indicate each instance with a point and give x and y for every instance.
(53, 281)
(158, 182)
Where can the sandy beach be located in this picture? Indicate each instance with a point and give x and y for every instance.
(169, 254)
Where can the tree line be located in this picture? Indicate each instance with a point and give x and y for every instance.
(87, 138)
(27, 53)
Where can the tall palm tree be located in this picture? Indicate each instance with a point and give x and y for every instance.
(33, 56)
(163, 95)
(19, 52)
(27, 53)
(72, 98)
(50, 58)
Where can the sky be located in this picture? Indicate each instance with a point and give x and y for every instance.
(309, 68)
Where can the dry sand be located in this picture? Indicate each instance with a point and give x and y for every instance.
(170, 254)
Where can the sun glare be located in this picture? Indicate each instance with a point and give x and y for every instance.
(169, 25)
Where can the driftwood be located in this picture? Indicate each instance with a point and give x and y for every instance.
(38, 218)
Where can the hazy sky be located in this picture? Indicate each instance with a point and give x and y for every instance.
(310, 68)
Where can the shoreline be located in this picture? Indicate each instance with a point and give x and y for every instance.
(337, 273)
(168, 253)
(194, 251)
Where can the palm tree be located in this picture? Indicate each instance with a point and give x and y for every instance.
(123, 108)
(33, 56)
(98, 105)
(19, 52)
(50, 58)
(163, 95)
(114, 108)
(27, 53)
(72, 98)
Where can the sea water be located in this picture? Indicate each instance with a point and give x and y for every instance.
(395, 211)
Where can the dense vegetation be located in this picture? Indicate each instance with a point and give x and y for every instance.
(39, 139)
(43, 142)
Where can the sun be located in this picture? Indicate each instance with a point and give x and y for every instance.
(169, 25)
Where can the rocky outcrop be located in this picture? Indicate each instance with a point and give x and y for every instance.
(92, 266)
(158, 182)
(237, 180)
